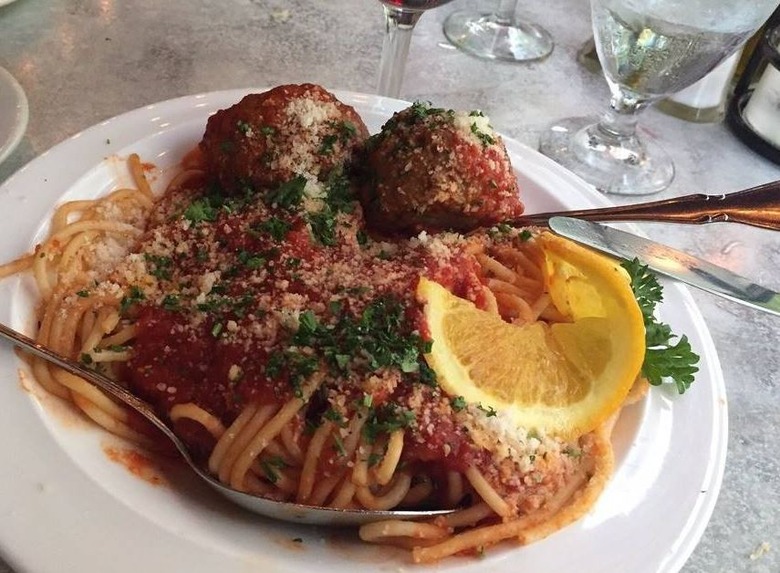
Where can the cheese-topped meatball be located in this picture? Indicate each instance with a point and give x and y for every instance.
(269, 138)
(434, 169)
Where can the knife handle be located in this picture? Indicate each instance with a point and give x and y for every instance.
(758, 206)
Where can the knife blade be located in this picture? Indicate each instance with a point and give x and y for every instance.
(669, 262)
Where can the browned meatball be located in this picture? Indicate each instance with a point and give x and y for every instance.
(269, 138)
(435, 169)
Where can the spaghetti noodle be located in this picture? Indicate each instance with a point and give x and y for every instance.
(285, 346)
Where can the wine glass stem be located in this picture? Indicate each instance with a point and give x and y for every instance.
(505, 13)
(619, 121)
(399, 25)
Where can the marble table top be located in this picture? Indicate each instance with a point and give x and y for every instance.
(82, 61)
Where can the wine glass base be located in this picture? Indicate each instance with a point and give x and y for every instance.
(483, 36)
(622, 170)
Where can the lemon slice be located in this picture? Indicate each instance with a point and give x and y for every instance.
(564, 378)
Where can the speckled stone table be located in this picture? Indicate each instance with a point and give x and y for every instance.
(82, 61)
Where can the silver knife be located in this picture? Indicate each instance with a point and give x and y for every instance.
(669, 262)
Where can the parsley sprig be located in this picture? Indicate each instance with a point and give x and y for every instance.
(664, 358)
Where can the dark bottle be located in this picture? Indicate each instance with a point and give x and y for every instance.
(753, 113)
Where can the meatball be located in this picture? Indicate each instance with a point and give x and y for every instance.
(437, 169)
(269, 138)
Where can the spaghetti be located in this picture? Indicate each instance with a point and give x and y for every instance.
(285, 346)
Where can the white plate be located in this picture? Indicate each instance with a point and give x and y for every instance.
(13, 112)
(64, 506)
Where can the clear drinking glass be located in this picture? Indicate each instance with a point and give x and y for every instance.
(401, 17)
(498, 35)
(648, 49)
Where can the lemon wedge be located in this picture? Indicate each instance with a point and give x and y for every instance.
(561, 378)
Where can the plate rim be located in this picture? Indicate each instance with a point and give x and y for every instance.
(21, 111)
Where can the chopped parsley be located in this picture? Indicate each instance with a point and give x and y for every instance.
(292, 364)
(274, 226)
(387, 419)
(458, 403)
(345, 130)
(338, 445)
(244, 127)
(171, 302)
(484, 138)
(201, 210)
(160, 267)
(326, 147)
(250, 260)
(117, 347)
(271, 467)
(134, 295)
(664, 358)
(339, 194)
(500, 230)
(323, 227)
(366, 401)
(490, 411)
(423, 109)
(339, 198)
(333, 416)
(288, 195)
(379, 335)
(82, 293)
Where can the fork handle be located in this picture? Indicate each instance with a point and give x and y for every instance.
(758, 206)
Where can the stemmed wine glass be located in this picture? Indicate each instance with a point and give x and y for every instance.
(648, 49)
(498, 35)
(401, 16)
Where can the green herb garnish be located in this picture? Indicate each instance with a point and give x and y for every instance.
(338, 445)
(664, 359)
(378, 334)
(274, 226)
(244, 127)
(483, 137)
(271, 466)
(133, 296)
(171, 302)
(326, 147)
(251, 261)
(201, 210)
(288, 195)
(387, 419)
(160, 266)
(490, 411)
